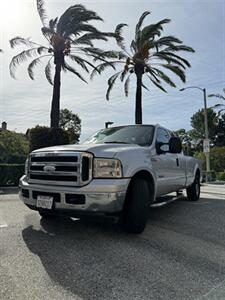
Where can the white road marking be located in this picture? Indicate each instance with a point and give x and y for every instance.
(3, 225)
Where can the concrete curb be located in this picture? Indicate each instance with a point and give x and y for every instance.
(8, 190)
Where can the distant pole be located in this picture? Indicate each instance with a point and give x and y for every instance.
(206, 145)
(108, 123)
(206, 133)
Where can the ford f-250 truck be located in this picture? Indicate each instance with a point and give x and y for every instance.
(120, 171)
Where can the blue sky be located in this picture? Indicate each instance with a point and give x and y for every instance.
(200, 24)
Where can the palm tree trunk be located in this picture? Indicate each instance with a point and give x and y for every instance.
(55, 109)
(139, 70)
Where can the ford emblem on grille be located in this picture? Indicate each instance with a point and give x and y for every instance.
(49, 169)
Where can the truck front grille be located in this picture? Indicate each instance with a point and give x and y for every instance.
(60, 168)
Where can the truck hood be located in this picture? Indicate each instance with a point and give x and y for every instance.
(99, 150)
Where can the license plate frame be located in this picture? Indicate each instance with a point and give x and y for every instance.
(45, 202)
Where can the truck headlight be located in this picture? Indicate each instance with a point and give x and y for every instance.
(26, 167)
(107, 168)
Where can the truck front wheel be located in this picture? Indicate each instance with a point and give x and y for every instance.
(137, 205)
(193, 191)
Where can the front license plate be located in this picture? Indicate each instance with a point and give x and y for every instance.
(44, 202)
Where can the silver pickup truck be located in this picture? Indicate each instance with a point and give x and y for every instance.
(118, 172)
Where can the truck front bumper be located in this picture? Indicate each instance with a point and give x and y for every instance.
(99, 197)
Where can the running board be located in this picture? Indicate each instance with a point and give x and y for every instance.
(162, 201)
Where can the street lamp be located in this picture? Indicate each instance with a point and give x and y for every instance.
(206, 141)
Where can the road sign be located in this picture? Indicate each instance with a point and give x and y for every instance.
(206, 146)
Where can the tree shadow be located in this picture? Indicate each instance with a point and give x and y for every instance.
(101, 261)
(83, 257)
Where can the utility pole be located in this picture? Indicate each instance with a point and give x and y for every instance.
(206, 143)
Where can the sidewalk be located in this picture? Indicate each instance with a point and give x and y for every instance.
(213, 190)
(9, 190)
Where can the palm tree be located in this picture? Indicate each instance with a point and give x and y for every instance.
(221, 97)
(149, 54)
(69, 37)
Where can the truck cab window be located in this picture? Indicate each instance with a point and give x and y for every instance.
(162, 136)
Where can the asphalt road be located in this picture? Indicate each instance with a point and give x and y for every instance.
(181, 254)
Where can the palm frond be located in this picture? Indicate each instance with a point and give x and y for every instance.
(144, 86)
(87, 62)
(167, 40)
(47, 33)
(114, 54)
(169, 59)
(87, 38)
(220, 111)
(133, 47)
(53, 24)
(118, 36)
(157, 84)
(149, 32)
(48, 72)
(31, 66)
(217, 96)
(72, 20)
(176, 70)
(164, 41)
(123, 74)
(21, 57)
(164, 77)
(78, 29)
(183, 60)
(41, 11)
(111, 83)
(67, 67)
(179, 48)
(126, 86)
(79, 61)
(101, 67)
(18, 40)
(152, 72)
(91, 50)
(140, 22)
(41, 50)
(100, 54)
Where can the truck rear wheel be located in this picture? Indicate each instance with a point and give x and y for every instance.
(193, 191)
(137, 205)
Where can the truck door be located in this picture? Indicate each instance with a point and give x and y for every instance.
(164, 164)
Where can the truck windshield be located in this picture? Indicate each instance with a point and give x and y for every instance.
(135, 134)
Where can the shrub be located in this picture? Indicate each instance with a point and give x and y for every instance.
(42, 136)
(217, 159)
(221, 176)
(10, 174)
(14, 147)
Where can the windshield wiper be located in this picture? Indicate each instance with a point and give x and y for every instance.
(115, 142)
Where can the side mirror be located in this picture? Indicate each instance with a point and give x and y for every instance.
(175, 145)
(162, 148)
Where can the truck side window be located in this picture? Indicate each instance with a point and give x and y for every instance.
(162, 136)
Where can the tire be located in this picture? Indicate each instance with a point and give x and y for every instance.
(137, 205)
(193, 191)
(46, 215)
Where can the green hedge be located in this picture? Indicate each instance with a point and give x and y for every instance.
(221, 176)
(10, 174)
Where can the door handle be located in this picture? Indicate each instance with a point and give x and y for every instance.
(177, 161)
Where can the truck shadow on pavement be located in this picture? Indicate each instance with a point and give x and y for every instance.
(100, 261)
